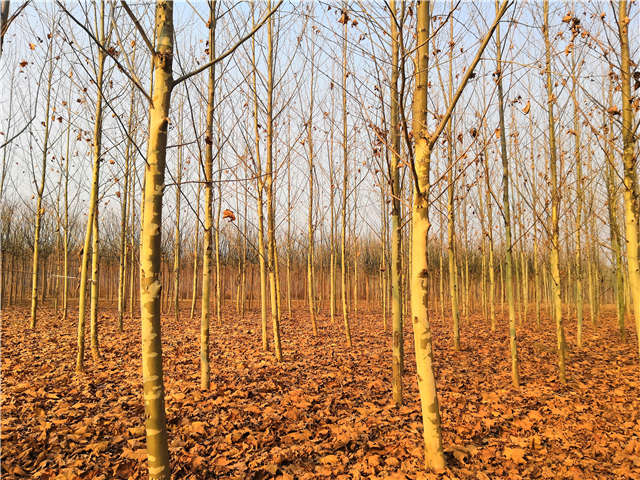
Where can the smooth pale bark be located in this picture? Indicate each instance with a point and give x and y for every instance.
(65, 221)
(434, 455)
(132, 251)
(151, 247)
(441, 270)
(219, 292)
(534, 202)
(177, 237)
(332, 214)
(243, 280)
(310, 232)
(122, 274)
(451, 218)
(93, 206)
(396, 216)
(630, 181)
(356, 255)
(491, 265)
(615, 239)
(262, 253)
(289, 221)
(420, 224)
(345, 184)
(515, 370)
(205, 305)
(554, 256)
(39, 195)
(271, 225)
(196, 244)
(579, 202)
(382, 278)
(93, 323)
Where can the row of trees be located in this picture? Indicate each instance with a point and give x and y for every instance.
(328, 148)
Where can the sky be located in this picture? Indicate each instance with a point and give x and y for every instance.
(302, 28)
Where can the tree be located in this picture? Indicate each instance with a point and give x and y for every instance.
(396, 209)
(91, 227)
(554, 257)
(630, 181)
(423, 146)
(40, 186)
(207, 247)
(506, 208)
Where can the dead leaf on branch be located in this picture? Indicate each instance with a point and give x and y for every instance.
(229, 215)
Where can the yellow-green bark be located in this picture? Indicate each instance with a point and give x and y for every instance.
(310, 278)
(554, 256)
(630, 191)
(205, 306)
(151, 247)
(508, 281)
(262, 253)
(93, 206)
(396, 215)
(345, 180)
(39, 195)
(271, 225)
(194, 287)
(93, 323)
(177, 239)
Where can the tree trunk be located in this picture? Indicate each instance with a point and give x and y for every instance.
(555, 206)
(630, 192)
(151, 247)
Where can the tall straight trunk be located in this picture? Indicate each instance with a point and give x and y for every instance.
(579, 199)
(396, 216)
(383, 261)
(262, 253)
(310, 279)
(65, 221)
(58, 250)
(434, 456)
(630, 181)
(177, 237)
(95, 253)
(465, 255)
(122, 274)
(515, 370)
(39, 195)
(614, 233)
(243, 280)
(451, 250)
(205, 305)
(345, 183)
(278, 289)
(132, 250)
(441, 270)
(424, 143)
(194, 287)
(332, 214)
(534, 202)
(271, 225)
(151, 246)
(289, 222)
(356, 255)
(93, 201)
(491, 266)
(219, 290)
(554, 257)
(272, 261)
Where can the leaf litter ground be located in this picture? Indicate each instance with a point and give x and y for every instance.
(326, 411)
